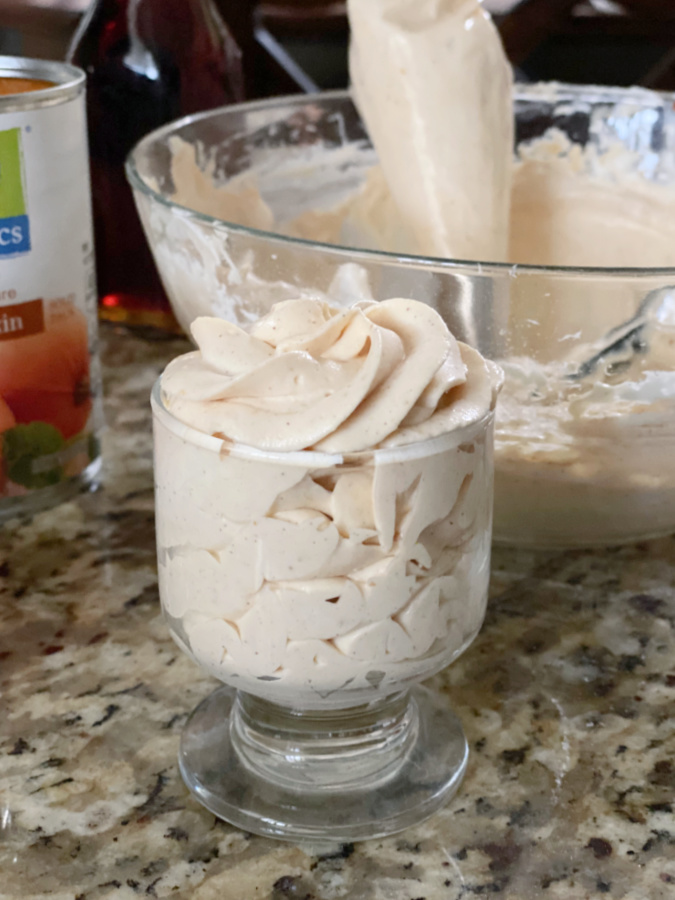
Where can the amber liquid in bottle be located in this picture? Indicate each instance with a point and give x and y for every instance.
(147, 62)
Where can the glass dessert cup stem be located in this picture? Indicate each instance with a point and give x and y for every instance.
(334, 775)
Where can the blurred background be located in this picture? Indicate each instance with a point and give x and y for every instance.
(293, 45)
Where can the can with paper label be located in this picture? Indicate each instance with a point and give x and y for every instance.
(49, 375)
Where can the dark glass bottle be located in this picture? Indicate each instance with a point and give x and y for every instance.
(147, 62)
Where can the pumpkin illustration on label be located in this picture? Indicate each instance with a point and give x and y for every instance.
(44, 377)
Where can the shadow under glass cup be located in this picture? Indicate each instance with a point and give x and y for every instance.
(571, 468)
(320, 589)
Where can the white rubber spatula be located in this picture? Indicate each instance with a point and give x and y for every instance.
(434, 88)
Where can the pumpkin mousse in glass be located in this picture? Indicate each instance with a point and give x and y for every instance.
(324, 496)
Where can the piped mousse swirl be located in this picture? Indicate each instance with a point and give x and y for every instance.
(311, 376)
(309, 578)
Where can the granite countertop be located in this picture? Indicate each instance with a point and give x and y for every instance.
(567, 698)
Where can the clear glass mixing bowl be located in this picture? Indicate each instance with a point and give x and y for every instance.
(585, 434)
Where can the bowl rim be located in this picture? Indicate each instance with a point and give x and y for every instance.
(522, 91)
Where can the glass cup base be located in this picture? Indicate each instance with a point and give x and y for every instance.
(334, 775)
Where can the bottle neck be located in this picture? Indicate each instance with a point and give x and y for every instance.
(112, 20)
(117, 7)
(120, 10)
(179, 48)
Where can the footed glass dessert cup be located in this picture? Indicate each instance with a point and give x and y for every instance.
(320, 589)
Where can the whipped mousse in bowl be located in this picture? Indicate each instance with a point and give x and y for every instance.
(285, 198)
(324, 502)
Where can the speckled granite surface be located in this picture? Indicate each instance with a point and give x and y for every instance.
(567, 697)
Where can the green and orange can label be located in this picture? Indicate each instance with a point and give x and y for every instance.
(14, 223)
(49, 386)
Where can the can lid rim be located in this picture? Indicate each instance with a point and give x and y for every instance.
(67, 82)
